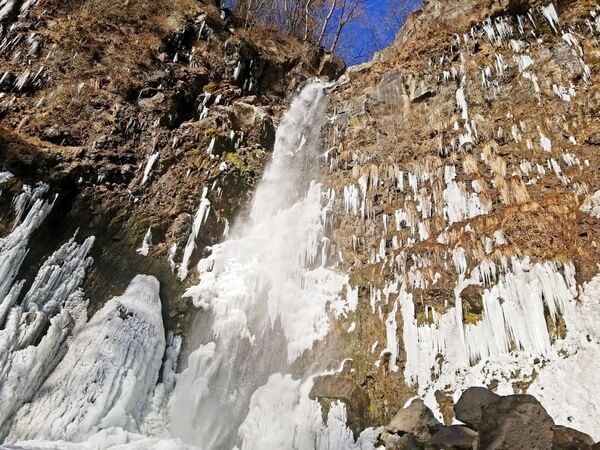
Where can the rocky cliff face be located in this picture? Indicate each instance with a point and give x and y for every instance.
(465, 161)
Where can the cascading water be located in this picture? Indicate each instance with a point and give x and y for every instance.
(267, 288)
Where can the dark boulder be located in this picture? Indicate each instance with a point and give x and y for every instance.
(470, 406)
(516, 422)
(417, 419)
(396, 442)
(455, 436)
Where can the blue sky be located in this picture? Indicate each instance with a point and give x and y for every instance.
(377, 30)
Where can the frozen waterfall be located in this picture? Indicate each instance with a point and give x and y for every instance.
(269, 292)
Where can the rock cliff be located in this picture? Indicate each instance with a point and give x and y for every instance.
(465, 160)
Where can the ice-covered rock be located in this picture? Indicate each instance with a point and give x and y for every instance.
(107, 374)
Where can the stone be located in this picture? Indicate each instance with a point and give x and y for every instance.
(154, 103)
(516, 422)
(593, 138)
(246, 114)
(329, 388)
(331, 67)
(566, 438)
(417, 419)
(470, 406)
(418, 89)
(455, 436)
(391, 90)
(396, 442)
(58, 136)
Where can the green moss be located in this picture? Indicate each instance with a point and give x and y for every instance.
(235, 159)
(471, 318)
(210, 132)
(422, 319)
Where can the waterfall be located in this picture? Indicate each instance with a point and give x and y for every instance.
(267, 288)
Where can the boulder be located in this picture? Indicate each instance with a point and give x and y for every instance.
(417, 419)
(516, 422)
(330, 388)
(470, 406)
(566, 438)
(396, 442)
(455, 436)
(246, 114)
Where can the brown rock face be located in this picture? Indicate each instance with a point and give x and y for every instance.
(471, 112)
(163, 81)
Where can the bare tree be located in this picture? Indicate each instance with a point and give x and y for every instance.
(346, 14)
(318, 22)
(326, 22)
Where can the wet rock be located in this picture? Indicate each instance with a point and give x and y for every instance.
(330, 388)
(417, 419)
(516, 422)
(455, 436)
(566, 438)
(471, 404)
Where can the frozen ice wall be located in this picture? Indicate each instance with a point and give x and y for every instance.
(267, 289)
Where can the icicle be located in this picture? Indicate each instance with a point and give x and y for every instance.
(462, 103)
(545, 143)
(551, 16)
(149, 164)
(147, 242)
(199, 219)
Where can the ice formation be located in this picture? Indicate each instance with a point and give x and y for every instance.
(190, 246)
(110, 368)
(5, 175)
(270, 293)
(149, 164)
(34, 328)
(281, 415)
(513, 318)
(146, 243)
